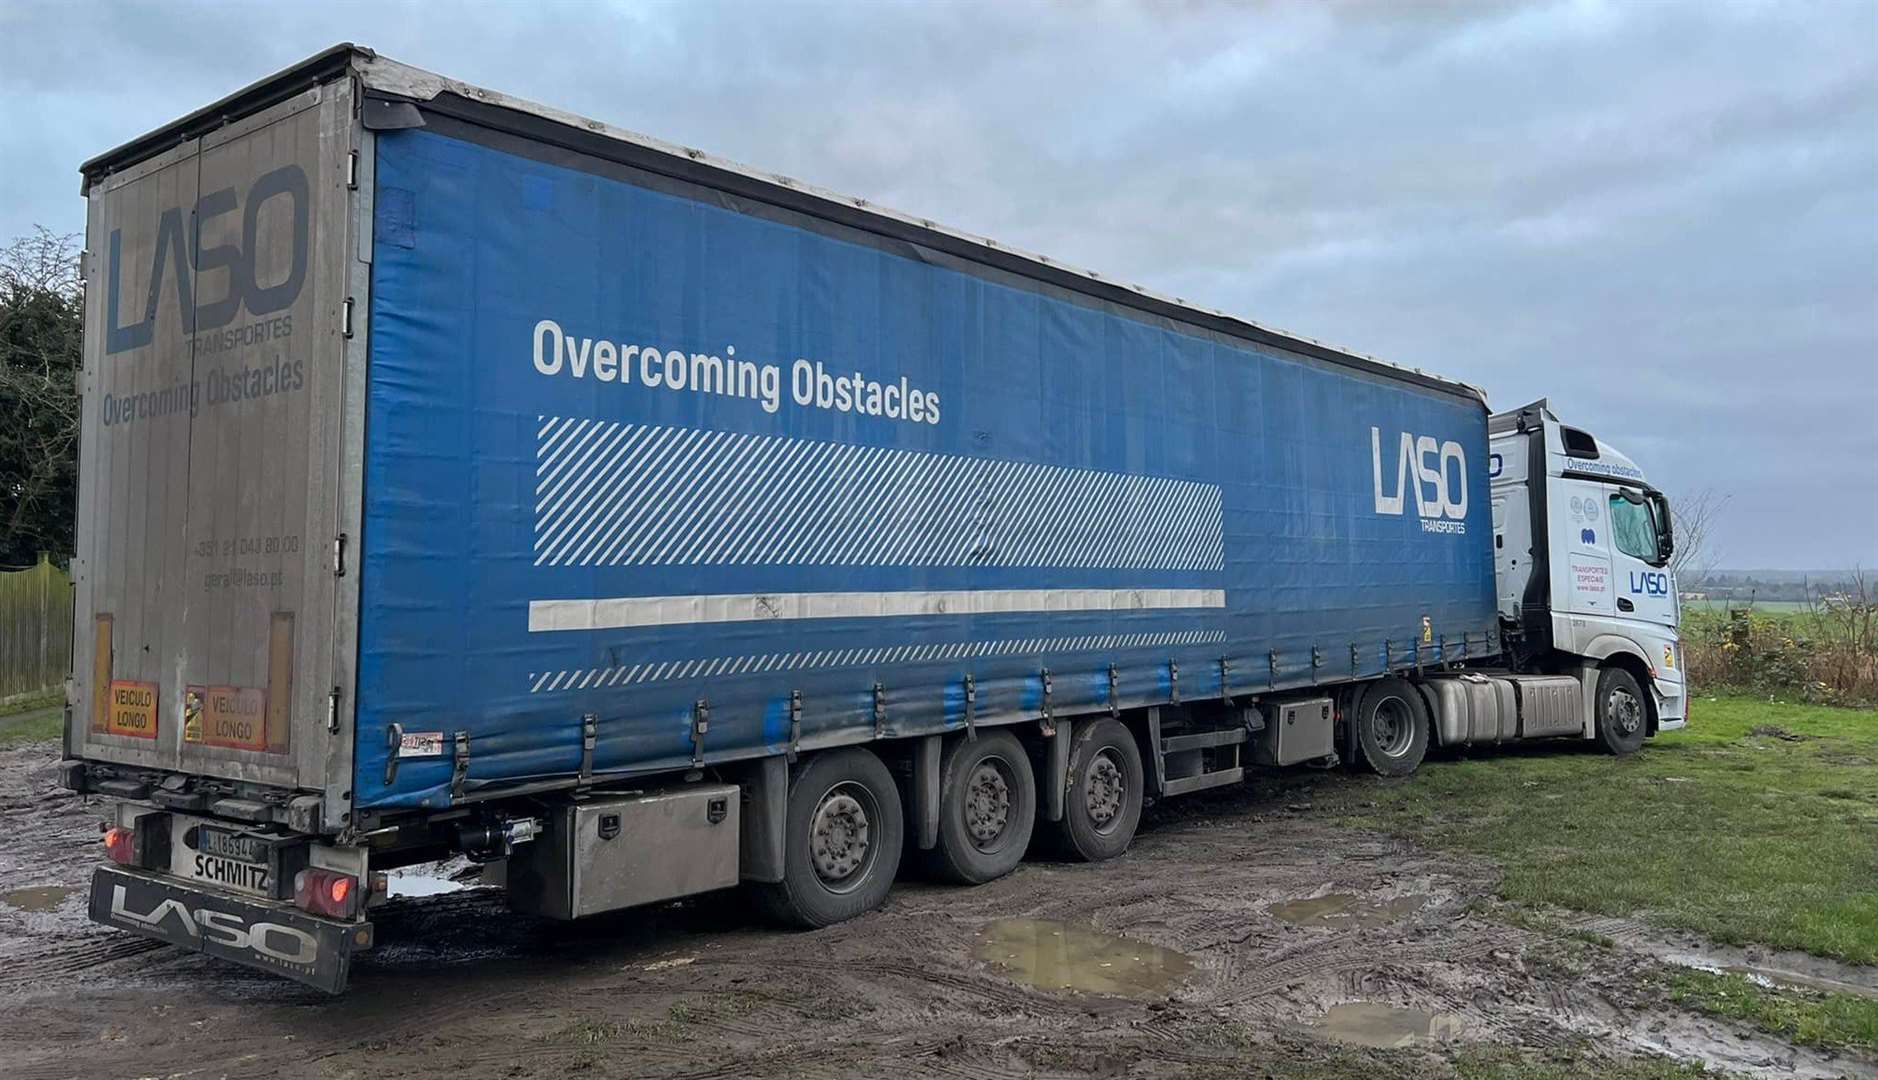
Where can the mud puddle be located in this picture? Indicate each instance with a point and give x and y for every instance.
(1385, 1027)
(1346, 911)
(1056, 956)
(37, 897)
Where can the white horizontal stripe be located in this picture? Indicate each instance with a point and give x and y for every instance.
(627, 611)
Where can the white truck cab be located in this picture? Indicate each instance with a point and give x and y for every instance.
(1582, 544)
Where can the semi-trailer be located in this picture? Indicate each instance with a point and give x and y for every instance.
(461, 476)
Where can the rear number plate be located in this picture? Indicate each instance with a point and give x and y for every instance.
(225, 858)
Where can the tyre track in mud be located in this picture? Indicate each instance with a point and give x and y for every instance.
(67, 954)
(696, 991)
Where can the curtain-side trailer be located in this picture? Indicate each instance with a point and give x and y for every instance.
(462, 476)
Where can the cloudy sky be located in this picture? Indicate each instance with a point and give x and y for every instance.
(1662, 217)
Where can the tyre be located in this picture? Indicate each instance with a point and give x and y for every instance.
(1623, 718)
(1391, 728)
(987, 809)
(844, 836)
(1102, 801)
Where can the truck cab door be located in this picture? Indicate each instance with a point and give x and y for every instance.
(1644, 587)
(1583, 581)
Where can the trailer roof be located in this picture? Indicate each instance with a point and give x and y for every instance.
(385, 77)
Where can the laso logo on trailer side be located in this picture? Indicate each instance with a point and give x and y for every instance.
(172, 254)
(1435, 471)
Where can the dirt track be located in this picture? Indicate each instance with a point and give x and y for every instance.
(931, 985)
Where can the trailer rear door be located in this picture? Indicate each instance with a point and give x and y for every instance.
(208, 490)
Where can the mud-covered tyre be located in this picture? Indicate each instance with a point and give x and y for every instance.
(1391, 728)
(987, 809)
(1623, 717)
(1102, 800)
(842, 847)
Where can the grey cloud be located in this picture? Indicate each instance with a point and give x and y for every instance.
(1664, 217)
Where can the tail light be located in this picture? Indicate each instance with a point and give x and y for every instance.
(121, 845)
(326, 892)
(145, 842)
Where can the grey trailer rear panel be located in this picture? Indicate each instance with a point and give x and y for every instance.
(211, 443)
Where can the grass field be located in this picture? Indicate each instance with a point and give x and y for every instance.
(1758, 825)
(1767, 607)
(33, 720)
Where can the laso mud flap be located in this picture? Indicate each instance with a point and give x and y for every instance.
(273, 937)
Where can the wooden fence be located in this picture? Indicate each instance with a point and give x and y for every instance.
(35, 630)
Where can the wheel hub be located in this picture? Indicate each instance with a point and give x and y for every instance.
(838, 837)
(1104, 793)
(987, 803)
(1625, 711)
(1393, 729)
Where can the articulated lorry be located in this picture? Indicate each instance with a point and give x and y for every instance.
(463, 477)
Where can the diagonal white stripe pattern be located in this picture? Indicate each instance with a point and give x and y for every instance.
(542, 682)
(619, 494)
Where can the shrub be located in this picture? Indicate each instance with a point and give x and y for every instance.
(1826, 653)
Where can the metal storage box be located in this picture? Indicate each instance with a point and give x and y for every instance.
(1296, 731)
(602, 854)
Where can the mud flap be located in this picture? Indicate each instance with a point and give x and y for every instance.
(272, 937)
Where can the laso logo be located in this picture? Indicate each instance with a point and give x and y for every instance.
(287, 944)
(1435, 471)
(1649, 583)
(175, 244)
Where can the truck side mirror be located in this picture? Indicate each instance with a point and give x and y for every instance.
(1665, 532)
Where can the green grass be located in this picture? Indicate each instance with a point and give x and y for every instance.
(1726, 829)
(1765, 607)
(1807, 1018)
(1698, 620)
(32, 720)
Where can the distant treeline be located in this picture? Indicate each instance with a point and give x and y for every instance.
(1771, 585)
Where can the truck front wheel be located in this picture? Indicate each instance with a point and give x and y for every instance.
(1102, 803)
(1391, 728)
(844, 836)
(1623, 718)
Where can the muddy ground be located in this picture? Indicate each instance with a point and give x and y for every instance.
(1244, 934)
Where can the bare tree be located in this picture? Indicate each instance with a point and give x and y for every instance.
(45, 262)
(1694, 517)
